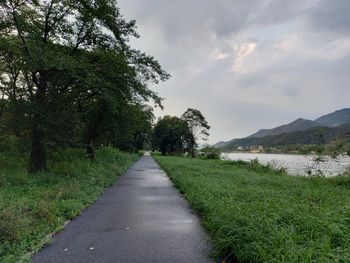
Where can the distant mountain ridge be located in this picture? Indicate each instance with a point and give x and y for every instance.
(315, 135)
(297, 125)
(334, 119)
(222, 143)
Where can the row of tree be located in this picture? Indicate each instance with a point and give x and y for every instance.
(69, 77)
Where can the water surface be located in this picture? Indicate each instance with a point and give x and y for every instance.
(295, 164)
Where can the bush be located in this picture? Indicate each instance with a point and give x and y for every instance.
(210, 152)
(347, 171)
(11, 145)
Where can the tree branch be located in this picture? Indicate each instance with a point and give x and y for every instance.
(47, 28)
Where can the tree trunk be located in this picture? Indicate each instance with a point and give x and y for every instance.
(89, 139)
(16, 119)
(2, 105)
(192, 147)
(38, 153)
(16, 111)
(163, 150)
(90, 150)
(91, 135)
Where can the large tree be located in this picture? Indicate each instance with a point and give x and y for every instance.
(170, 135)
(198, 127)
(75, 54)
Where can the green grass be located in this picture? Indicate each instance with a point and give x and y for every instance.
(259, 215)
(32, 206)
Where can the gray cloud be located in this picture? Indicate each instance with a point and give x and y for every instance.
(331, 16)
(248, 64)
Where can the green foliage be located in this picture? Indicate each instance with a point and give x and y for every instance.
(198, 129)
(256, 214)
(68, 76)
(31, 207)
(210, 152)
(9, 143)
(133, 129)
(170, 134)
(173, 135)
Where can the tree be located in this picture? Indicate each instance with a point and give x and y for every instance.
(75, 52)
(198, 128)
(127, 129)
(115, 92)
(136, 131)
(169, 135)
(13, 86)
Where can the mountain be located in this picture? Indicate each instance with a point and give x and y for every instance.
(315, 135)
(297, 125)
(336, 118)
(223, 144)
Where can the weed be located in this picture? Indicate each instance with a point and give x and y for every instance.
(10, 225)
(32, 206)
(259, 214)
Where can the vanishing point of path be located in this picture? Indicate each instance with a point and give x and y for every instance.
(142, 218)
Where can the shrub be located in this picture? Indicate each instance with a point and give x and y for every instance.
(210, 152)
(347, 171)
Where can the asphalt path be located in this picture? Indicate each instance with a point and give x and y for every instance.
(142, 218)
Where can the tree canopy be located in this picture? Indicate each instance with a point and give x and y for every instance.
(198, 128)
(170, 135)
(173, 135)
(68, 76)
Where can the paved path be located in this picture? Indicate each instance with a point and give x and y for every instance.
(143, 218)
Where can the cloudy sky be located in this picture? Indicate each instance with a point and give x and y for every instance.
(247, 64)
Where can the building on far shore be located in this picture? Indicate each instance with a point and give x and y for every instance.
(256, 148)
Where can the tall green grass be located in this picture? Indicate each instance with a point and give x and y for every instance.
(32, 206)
(254, 214)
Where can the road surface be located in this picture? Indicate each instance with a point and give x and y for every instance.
(143, 218)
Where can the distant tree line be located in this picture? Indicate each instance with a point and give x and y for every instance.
(68, 77)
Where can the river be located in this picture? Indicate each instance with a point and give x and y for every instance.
(296, 164)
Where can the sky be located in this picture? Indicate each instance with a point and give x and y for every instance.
(247, 64)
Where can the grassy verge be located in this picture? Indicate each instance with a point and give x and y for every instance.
(259, 215)
(32, 206)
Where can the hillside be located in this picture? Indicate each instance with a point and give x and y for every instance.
(315, 135)
(336, 118)
(223, 143)
(297, 125)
